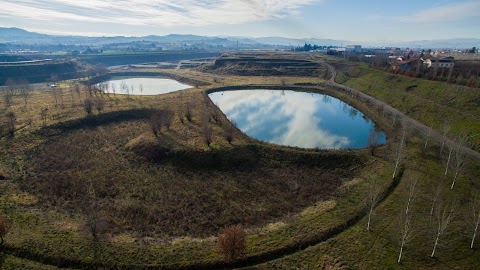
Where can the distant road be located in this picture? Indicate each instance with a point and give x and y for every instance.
(33, 86)
(472, 154)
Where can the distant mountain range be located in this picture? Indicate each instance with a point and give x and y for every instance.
(20, 36)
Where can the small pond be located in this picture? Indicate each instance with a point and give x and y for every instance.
(307, 120)
(142, 86)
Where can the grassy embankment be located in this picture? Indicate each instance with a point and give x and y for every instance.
(435, 104)
(358, 249)
(41, 163)
(429, 102)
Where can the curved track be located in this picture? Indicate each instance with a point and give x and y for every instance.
(423, 129)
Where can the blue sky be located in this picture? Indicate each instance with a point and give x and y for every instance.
(336, 19)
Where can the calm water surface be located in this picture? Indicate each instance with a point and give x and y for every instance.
(142, 86)
(307, 120)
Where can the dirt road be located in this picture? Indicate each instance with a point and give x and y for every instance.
(421, 128)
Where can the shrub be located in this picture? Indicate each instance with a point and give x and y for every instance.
(232, 243)
(99, 104)
(88, 106)
(11, 118)
(188, 112)
(229, 132)
(161, 118)
(207, 133)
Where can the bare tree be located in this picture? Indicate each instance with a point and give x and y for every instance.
(88, 106)
(436, 196)
(11, 119)
(43, 115)
(215, 114)
(71, 88)
(373, 141)
(428, 136)
(9, 92)
(207, 133)
(410, 191)
(188, 112)
(406, 226)
(446, 129)
(124, 88)
(232, 244)
(4, 228)
(406, 231)
(167, 118)
(448, 157)
(78, 89)
(99, 104)
(229, 132)
(55, 93)
(161, 118)
(25, 90)
(459, 162)
(444, 215)
(401, 147)
(476, 216)
(373, 197)
(155, 123)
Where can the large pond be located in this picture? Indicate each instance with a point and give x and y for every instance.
(142, 86)
(300, 119)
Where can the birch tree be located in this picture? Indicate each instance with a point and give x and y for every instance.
(476, 217)
(428, 135)
(406, 232)
(459, 162)
(373, 197)
(406, 226)
(448, 158)
(446, 129)
(410, 192)
(401, 147)
(436, 196)
(443, 217)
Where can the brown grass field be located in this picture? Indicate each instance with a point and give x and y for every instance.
(161, 201)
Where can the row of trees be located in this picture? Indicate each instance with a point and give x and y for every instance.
(443, 206)
(165, 118)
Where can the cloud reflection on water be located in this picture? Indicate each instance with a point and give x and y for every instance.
(295, 118)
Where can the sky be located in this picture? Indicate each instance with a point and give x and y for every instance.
(359, 20)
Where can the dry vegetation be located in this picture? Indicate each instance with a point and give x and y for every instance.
(89, 179)
(157, 186)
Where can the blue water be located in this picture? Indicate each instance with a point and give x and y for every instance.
(307, 120)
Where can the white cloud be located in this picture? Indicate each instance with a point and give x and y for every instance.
(445, 13)
(296, 123)
(152, 12)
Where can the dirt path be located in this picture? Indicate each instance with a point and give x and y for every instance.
(423, 129)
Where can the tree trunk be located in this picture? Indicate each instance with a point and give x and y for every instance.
(473, 238)
(454, 178)
(408, 206)
(433, 206)
(475, 231)
(448, 161)
(395, 170)
(400, 255)
(369, 218)
(435, 246)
